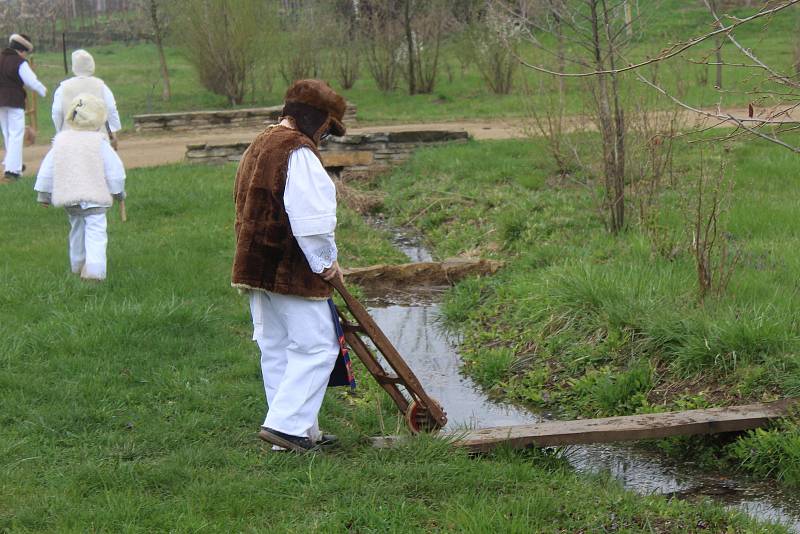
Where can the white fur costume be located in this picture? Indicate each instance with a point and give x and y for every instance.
(81, 173)
(83, 82)
(78, 170)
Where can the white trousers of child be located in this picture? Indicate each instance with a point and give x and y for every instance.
(88, 240)
(299, 348)
(12, 123)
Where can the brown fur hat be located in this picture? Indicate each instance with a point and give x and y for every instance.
(320, 95)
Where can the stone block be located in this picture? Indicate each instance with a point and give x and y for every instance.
(347, 158)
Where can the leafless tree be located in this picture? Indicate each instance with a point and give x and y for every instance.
(490, 42)
(594, 37)
(345, 46)
(382, 31)
(305, 29)
(718, 42)
(224, 39)
(706, 205)
(158, 26)
(424, 24)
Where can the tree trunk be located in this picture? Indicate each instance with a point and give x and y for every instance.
(412, 87)
(619, 141)
(560, 50)
(718, 54)
(797, 58)
(166, 93)
(612, 137)
(626, 6)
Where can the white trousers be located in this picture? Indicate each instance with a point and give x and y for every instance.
(87, 243)
(298, 351)
(12, 122)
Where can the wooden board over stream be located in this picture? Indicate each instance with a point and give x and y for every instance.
(421, 274)
(628, 428)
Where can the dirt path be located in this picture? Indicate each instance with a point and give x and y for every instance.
(149, 151)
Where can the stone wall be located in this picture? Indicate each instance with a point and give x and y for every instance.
(368, 153)
(225, 118)
(388, 149)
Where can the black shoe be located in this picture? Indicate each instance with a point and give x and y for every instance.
(287, 441)
(12, 176)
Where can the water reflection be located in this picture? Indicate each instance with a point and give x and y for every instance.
(432, 357)
(411, 322)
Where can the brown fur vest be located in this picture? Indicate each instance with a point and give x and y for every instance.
(12, 90)
(267, 256)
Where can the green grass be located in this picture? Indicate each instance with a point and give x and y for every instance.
(132, 72)
(584, 323)
(132, 405)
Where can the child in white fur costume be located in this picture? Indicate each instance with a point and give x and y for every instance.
(82, 173)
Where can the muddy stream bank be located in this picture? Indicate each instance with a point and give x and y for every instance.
(411, 321)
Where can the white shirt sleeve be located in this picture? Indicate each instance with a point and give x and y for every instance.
(114, 123)
(310, 202)
(114, 169)
(30, 80)
(309, 196)
(44, 179)
(56, 112)
(320, 250)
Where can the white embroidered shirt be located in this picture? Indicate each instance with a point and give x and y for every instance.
(310, 201)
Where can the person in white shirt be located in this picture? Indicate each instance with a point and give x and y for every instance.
(15, 76)
(285, 255)
(82, 173)
(84, 82)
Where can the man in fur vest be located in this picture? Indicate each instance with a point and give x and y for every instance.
(285, 255)
(84, 82)
(15, 75)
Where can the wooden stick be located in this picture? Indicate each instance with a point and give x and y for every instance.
(64, 51)
(30, 112)
(123, 213)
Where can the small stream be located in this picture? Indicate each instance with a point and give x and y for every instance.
(411, 321)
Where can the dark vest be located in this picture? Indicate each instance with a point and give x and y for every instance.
(267, 254)
(12, 89)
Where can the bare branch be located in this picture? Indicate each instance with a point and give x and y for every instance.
(668, 53)
(776, 76)
(725, 117)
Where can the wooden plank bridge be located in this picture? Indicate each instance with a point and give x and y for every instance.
(626, 428)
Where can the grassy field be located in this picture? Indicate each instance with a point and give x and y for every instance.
(132, 406)
(585, 323)
(132, 72)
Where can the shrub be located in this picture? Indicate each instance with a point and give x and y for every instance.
(223, 40)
